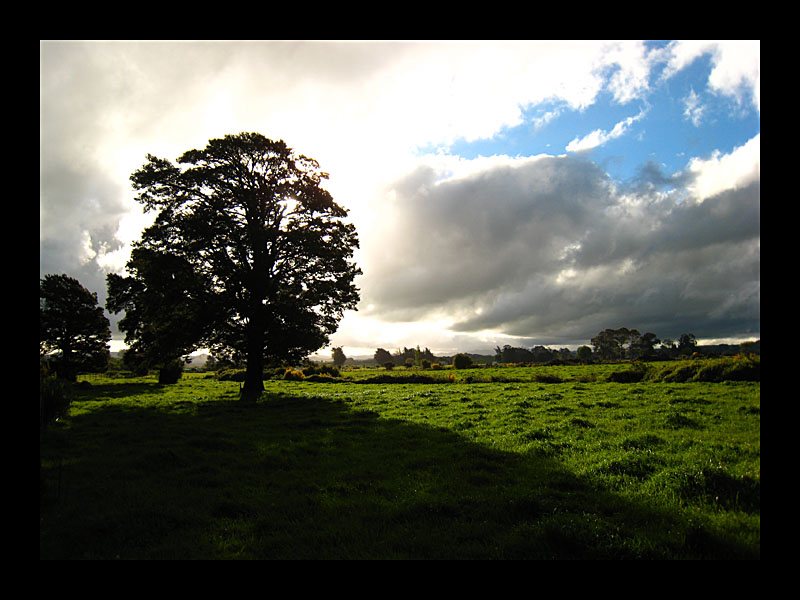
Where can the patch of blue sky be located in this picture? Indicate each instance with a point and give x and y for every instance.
(678, 119)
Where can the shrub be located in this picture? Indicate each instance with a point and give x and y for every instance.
(328, 370)
(680, 374)
(426, 364)
(462, 361)
(171, 372)
(738, 368)
(292, 375)
(231, 374)
(636, 373)
(632, 376)
(542, 378)
(55, 397)
(388, 365)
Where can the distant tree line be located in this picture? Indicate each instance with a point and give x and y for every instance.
(74, 336)
(538, 354)
(624, 344)
(407, 357)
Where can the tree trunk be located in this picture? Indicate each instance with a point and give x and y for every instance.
(253, 382)
(254, 374)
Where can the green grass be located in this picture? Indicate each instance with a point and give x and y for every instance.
(504, 470)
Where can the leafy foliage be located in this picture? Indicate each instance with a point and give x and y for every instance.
(462, 361)
(738, 368)
(55, 396)
(166, 307)
(171, 372)
(338, 356)
(73, 330)
(263, 246)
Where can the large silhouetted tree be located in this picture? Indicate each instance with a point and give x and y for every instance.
(73, 330)
(250, 219)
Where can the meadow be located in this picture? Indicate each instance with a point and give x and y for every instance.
(506, 463)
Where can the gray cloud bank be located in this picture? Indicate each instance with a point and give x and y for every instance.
(553, 250)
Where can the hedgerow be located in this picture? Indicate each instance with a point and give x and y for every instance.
(736, 368)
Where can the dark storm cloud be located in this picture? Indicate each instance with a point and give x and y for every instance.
(488, 232)
(552, 249)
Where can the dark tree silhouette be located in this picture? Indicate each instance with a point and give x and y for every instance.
(166, 305)
(267, 242)
(382, 356)
(72, 327)
(338, 356)
(687, 343)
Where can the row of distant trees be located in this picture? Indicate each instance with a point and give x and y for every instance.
(408, 357)
(619, 344)
(74, 336)
(609, 344)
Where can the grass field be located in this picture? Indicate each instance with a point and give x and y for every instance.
(474, 469)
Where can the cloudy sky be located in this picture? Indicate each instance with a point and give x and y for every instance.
(517, 193)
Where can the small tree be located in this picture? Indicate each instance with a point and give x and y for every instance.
(73, 330)
(687, 344)
(165, 306)
(338, 356)
(462, 361)
(584, 353)
(643, 346)
(382, 356)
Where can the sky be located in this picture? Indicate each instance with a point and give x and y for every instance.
(504, 192)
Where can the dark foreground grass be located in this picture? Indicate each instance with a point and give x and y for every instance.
(404, 471)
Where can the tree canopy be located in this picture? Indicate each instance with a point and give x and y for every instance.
(165, 304)
(72, 327)
(338, 356)
(263, 246)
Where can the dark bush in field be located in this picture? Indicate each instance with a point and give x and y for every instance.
(636, 373)
(321, 370)
(542, 378)
(462, 361)
(171, 372)
(231, 375)
(55, 396)
(632, 376)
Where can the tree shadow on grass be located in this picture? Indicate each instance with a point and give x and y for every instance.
(123, 389)
(306, 478)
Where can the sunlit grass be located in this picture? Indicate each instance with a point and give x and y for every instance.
(513, 469)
